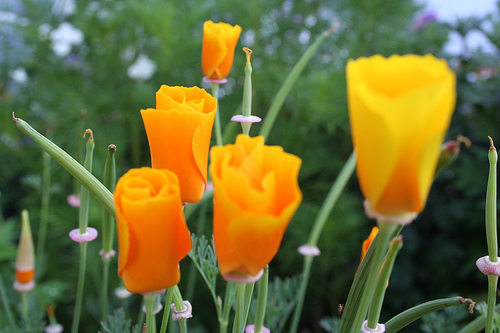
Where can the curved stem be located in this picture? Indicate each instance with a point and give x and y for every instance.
(330, 201)
(261, 301)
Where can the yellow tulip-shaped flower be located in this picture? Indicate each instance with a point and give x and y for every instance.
(179, 132)
(400, 109)
(217, 53)
(152, 233)
(256, 194)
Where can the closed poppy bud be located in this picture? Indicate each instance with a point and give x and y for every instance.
(217, 52)
(25, 260)
(152, 233)
(179, 132)
(400, 109)
(256, 193)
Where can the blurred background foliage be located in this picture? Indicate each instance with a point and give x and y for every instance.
(63, 78)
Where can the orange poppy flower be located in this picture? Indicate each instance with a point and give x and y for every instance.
(217, 52)
(152, 233)
(400, 109)
(179, 132)
(367, 242)
(256, 193)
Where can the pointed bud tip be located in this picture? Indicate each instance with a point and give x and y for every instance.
(112, 147)
(14, 118)
(248, 52)
(89, 131)
(492, 146)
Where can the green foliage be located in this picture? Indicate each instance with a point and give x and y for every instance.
(203, 256)
(448, 320)
(117, 323)
(281, 301)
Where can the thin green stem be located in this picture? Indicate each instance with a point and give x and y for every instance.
(290, 80)
(381, 285)
(385, 233)
(179, 305)
(261, 301)
(149, 300)
(166, 310)
(44, 210)
(25, 309)
(238, 324)
(6, 306)
(226, 309)
(492, 296)
(407, 317)
(330, 201)
(108, 228)
(86, 178)
(248, 299)
(83, 221)
(491, 233)
(477, 325)
(217, 125)
(79, 290)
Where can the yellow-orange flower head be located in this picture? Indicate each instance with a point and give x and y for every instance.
(400, 109)
(217, 52)
(256, 194)
(179, 132)
(152, 233)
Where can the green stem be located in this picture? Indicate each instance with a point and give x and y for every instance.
(83, 221)
(108, 227)
(217, 125)
(409, 316)
(492, 295)
(261, 301)
(287, 85)
(166, 310)
(248, 299)
(6, 306)
(385, 233)
(79, 291)
(491, 233)
(246, 108)
(330, 201)
(382, 280)
(238, 324)
(44, 211)
(178, 302)
(477, 325)
(226, 310)
(25, 307)
(149, 300)
(88, 180)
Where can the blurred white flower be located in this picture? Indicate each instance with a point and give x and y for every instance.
(44, 31)
(64, 8)
(19, 75)
(64, 37)
(8, 17)
(142, 69)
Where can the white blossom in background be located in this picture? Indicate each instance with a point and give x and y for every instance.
(8, 17)
(64, 37)
(142, 69)
(64, 8)
(19, 75)
(44, 31)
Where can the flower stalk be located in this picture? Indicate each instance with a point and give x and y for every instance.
(108, 229)
(491, 234)
(330, 201)
(261, 300)
(217, 125)
(83, 223)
